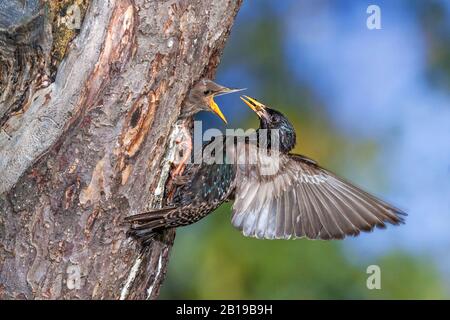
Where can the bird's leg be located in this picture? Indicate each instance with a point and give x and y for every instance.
(185, 146)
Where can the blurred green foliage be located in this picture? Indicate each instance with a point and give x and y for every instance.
(436, 27)
(212, 260)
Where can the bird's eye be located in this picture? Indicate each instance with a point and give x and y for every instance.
(274, 118)
(207, 92)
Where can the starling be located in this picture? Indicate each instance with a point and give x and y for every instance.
(200, 98)
(295, 199)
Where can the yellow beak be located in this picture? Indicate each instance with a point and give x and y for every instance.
(215, 108)
(255, 105)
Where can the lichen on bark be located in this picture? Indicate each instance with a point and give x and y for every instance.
(63, 30)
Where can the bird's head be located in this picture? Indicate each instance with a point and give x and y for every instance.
(271, 119)
(201, 97)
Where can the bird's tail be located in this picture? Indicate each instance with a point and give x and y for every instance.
(144, 226)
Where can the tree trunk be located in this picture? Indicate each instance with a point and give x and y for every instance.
(86, 112)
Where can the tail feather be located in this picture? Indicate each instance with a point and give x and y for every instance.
(148, 215)
(143, 236)
(144, 226)
(151, 224)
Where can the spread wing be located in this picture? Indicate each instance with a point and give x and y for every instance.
(304, 200)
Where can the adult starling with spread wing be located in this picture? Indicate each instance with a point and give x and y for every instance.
(297, 199)
(302, 199)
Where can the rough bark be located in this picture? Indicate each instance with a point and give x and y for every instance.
(85, 118)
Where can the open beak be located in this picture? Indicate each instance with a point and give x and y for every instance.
(215, 108)
(255, 105)
(226, 90)
(213, 105)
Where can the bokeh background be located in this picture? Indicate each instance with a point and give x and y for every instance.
(373, 106)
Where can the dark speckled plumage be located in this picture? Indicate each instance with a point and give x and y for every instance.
(201, 189)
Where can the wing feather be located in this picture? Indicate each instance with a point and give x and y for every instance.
(304, 200)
